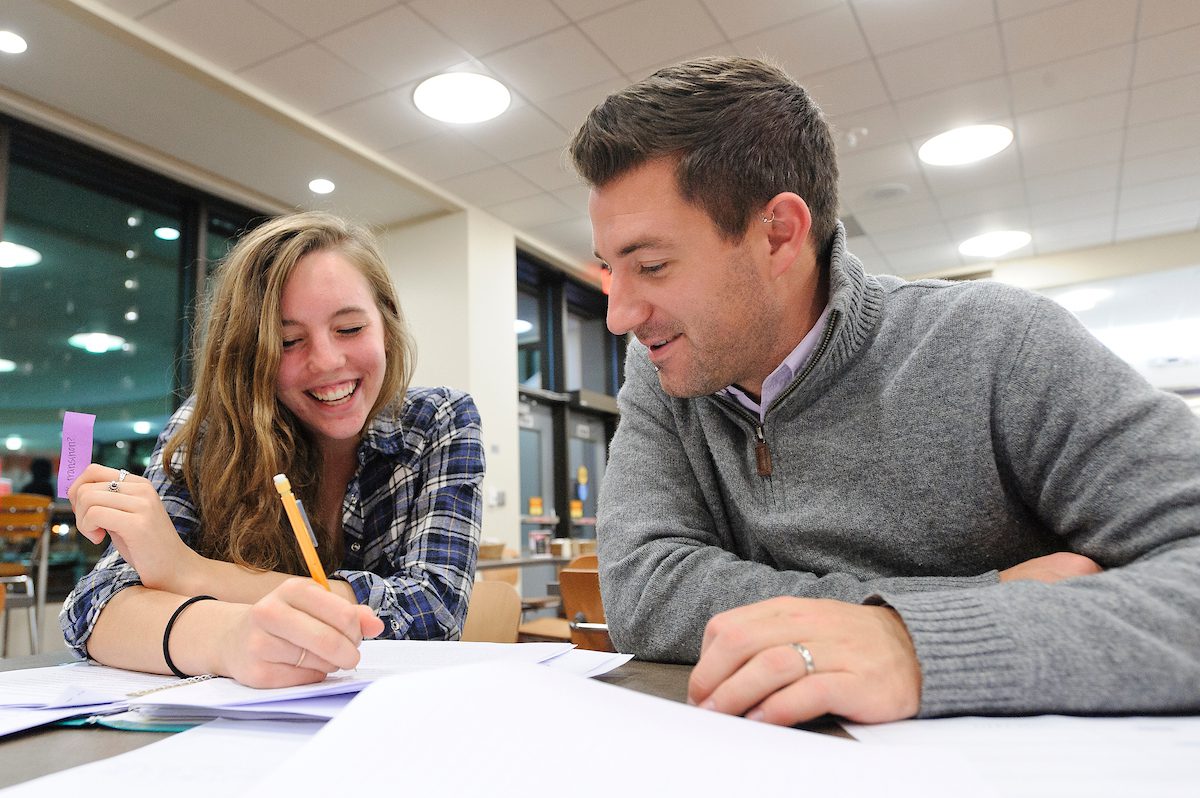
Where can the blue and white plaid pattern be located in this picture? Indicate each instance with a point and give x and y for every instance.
(410, 518)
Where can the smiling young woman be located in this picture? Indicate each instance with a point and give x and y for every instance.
(302, 369)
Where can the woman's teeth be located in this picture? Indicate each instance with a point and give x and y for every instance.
(334, 393)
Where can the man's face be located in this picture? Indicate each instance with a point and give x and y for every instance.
(701, 304)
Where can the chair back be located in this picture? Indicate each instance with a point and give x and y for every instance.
(510, 575)
(580, 588)
(493, 614)
(24, 515)
(585, 561)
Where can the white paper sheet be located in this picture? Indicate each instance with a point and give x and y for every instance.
(484, 723)
(75, 684)
(17, 720)
(587, 663)
(217, 759)
(1056, 756)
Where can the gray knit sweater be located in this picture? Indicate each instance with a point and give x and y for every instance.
(941, 432)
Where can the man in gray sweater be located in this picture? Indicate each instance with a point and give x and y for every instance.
(851, 494)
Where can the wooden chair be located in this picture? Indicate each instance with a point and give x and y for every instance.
(511, 576)
(23, 517)
(580, 587)
(493, 614)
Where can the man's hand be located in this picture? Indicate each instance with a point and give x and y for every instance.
(866, 667)
(1052, 568)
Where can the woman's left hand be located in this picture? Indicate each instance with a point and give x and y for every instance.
(128, 509)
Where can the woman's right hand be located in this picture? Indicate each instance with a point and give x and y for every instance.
(296, 634)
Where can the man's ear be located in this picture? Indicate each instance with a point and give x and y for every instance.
(788, 222)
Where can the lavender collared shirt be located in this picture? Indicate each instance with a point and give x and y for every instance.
(782, 376)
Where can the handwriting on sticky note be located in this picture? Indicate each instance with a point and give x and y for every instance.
(76, 449)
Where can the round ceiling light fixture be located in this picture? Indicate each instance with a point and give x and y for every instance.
(96, 342)
(7, 365)
(321, 186)
(12, 43)
(994, 244)
(964, 145)
(14, 256)
(520, 326)
(461, 97)
(166, 233)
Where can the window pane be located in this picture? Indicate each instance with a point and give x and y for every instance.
(587, 455)
(529, 340)
(587, 353)
(106, 267)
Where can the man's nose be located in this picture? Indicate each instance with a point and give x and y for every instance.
(626, 308)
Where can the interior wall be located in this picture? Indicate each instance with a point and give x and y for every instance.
(456, 276)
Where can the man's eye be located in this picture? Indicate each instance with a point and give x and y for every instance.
(653, 268)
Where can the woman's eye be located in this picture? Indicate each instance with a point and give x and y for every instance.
(289, 343)
(351, 330)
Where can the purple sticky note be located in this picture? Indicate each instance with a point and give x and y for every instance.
(76, 449)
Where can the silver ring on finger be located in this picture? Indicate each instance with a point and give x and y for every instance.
(303, 653)
(810, 667)
(114, 486)
(121, 475)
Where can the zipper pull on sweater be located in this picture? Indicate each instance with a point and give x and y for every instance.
(762, 453)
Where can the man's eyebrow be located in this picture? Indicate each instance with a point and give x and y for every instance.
(634, 246)
(346, 311)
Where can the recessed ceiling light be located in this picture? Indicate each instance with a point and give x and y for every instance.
(965, 145)
(141, 427)
(13, 443)
(7, 365)
(521, 326)
(96, 342)
(1081, 299)
(995, 244)
(321, 186)
(131, 284)
(462, 97)
(131, 314)
(12, 43)
(13, 256)
(166, 233)
(135, 218)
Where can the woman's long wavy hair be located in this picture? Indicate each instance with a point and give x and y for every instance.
(240, 435)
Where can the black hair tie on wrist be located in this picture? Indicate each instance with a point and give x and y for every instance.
(167, 632)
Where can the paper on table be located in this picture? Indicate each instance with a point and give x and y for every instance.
(203, 762)
(587, 663)
(75, 684)
(641, 744)
(1056, 755)
(17, 720)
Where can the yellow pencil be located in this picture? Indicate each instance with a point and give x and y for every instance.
(301, 528)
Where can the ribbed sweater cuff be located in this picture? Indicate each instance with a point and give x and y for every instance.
(969, 661)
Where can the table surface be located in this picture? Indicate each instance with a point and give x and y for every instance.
(521, 562)
(49, 749)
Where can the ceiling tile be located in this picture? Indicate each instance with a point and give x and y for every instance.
(552, 65)
(1093, 25)
(923, 259)
(570, 109)
(720, 50)
(573, 236)
(483, 28)
(1151, 168)
(908, 214)
(889, 25)
(384, 120)
(965, 227)
(1063, 156)
(1072, 79)
(311, 79)
(816, 43)
(549, 170)
(1080, 206)
(1162, 136)
(1161, 16)
(1167, 56)
(491, 186)
(909, 237)
(968, 104)
(1083, 118)
(133, 8)
(651, 31)
(962, 58)
(230, 33)
(1070, 184)
(518, 133)
(574, 196)
(1074, 234)
(1178, 189)
(582, 9)
(847, 89)
(883, 195)
(315, 18)
(440, 157)
(1000, 169)
(865, 250)
(1007, 9)
(395, 47)
(868, 167)
(1164, 100)
(867, 129)
(739, 18)
(981, 200)
(532, 211)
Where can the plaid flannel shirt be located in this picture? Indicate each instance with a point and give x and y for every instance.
(410, 518)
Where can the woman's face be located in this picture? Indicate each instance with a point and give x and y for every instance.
(333, 361)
